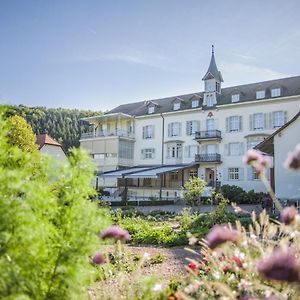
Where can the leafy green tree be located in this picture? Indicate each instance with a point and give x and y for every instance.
(192, 190)
(20, 134)
(48, 224)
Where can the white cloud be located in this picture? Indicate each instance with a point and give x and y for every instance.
(239, 73)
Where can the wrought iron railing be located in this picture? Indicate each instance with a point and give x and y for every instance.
(208, 134)
(212, 157)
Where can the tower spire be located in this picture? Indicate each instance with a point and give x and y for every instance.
(212, 49)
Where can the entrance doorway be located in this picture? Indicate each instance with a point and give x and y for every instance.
(209, 176)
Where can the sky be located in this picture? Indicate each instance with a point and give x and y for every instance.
(99, 54)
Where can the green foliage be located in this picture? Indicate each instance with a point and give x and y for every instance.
(236, 194)
(20, 134)
(48, 225)
(62, 124)
(192, 190)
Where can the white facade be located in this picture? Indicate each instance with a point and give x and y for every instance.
(54, 151)
(287, 182)
(213, 136)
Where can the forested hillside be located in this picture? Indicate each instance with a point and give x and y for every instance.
(62, 124)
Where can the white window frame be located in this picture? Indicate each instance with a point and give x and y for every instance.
(234, 124)
(193, 173)
(174, 151)
(261, 94)
(148, 132)
(235, 98)
(233, 174)
(195, 103)
(210, 124)
(176, 105)
(151, 109)
(275, 92)
(258, 121)
(209, 101)
(175, 128)
(278, 119)
(192, 150)
(234, 149)
(148, 153)
(193, 126)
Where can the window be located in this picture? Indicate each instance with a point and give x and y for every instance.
(125, 149)
(174, 129)
(148, 132)
(192, 127)
(210, 124)
(191, 151)
(174, 176)
(98, 155)
(233, 174)
(175, 151)
(151, 109)
(260, 94)
(234, 149)
(195, 103)
(275, 92)
(253, 141)
(176, 105)
(258, 121)
(235, 98)
(278, 119)
(234, 123)
(218, 86)
(193, 173)
(209, 101)
(148, 153)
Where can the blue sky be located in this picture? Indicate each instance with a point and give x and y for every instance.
(99, 54)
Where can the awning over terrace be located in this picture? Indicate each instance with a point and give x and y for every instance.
(145, 172)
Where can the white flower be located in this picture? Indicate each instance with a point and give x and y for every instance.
(146, 256)
(157, 288)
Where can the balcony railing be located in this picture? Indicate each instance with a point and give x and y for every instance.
(208, 134)
(214, 184)
(105, 133)
(213, 157)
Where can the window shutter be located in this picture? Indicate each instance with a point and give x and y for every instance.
(216, 124)
(152, 128)
(249, 173)
(186, 151)
(251, 122)
(271, 121)
(179, 129)
(169, 129)
(242, 148)
(142, 153)
(198, 125)
(227, 124)
(241, 173)
(188, 127)
(153, 152)
(226, 174)
(144, 132)
(266, 121)
(240, 123)
(226, 149)
(285, 117)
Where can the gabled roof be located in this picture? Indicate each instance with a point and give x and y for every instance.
(213, 69)
(45, 139)
(267, 145)
(289, 87)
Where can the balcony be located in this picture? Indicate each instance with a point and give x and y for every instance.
(208, 135)
(105, 133)
(208, 158)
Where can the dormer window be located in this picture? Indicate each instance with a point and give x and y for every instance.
(209, 101)
(218, 87)
(235, 98)
(276, 92)
(151, 109)
(260, 94)
(195, 103)
(176, 105)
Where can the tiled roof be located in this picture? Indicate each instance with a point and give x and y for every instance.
(289, 87)
(42, 139)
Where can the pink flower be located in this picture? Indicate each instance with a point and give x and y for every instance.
(293, 160)
(192, 266)
(288, 215)
(98, 258)
(238, 261)
(280, 265)
(219, 235)
(257, 160)
(115, 232)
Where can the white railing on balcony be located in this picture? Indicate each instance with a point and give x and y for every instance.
(105, 133)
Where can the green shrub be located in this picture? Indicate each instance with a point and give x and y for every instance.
(192, 190)
(48, 224)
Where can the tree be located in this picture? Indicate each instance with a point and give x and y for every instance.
(20, 134)
(192, 190)
(48, 224)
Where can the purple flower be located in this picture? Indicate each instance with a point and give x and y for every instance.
(280, 265)
(293, 160)
(219, 235)
(288, 215)
(115, 232)
(257, 160)
(98, 258)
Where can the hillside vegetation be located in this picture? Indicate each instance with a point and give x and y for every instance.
(62, 124)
